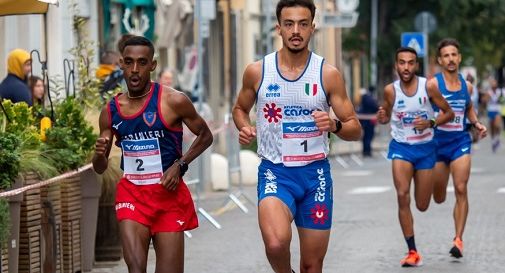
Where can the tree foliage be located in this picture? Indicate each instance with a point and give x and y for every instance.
(477, 24)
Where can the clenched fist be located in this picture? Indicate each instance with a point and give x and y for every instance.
(381, 115)
(246, 135)
(101, 145)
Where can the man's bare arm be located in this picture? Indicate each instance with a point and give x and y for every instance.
(385, 110)
(341, 104)
(472, 116)
(436, 97)
(103, 143)
(245, 101)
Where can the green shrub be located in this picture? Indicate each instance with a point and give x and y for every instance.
(9, 159)
(71, 139)
(4, 221)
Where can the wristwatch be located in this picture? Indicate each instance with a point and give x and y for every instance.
(183, 166)
(433, 123)
(338, 124)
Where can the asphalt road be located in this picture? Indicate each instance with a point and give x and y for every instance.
(366, 236)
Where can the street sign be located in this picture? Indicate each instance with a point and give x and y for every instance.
(425, 22)
(342, 20)
(347, 5)
(415, 40)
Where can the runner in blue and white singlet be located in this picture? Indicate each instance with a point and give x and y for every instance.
(408, 106)
(409, 143)
(293, 89)
(494, 98)
(452, 138)
(285, 127)
(293, 149)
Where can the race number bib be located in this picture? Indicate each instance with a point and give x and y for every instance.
(142, 161)
(412, 134)
(302, 143)
(456, 124)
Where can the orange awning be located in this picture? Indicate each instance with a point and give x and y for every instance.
(18, 7)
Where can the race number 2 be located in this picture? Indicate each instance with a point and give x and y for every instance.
(142, 161)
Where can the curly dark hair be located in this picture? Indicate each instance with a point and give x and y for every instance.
(293, 3)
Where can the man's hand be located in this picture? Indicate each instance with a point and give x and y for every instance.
(421, 124)
(482, 129)
(323, 121)
(171, 177)
(381, 115)
(101, 146)
(246, 135)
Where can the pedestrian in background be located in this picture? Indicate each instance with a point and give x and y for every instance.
(15, 87)
(368, 107)
(293, 89)
(109, 73)
(166, 77)
(37, 89)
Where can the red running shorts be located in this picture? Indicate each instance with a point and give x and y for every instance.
(156, 207)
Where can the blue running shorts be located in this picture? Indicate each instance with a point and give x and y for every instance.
(491, 115)
(451, 148)
(422, 156)
(306, 190)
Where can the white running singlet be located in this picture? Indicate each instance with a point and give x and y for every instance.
(285, 128)
(406, 109)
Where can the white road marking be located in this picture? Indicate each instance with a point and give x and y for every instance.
(477, 170)
(357, 173)
(450, 189)
(369, 190)
(501, 190)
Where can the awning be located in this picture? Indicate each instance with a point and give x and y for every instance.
(19, 7)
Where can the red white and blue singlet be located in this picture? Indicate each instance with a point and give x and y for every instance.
(149, 144)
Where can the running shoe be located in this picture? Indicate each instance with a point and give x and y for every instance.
(457, 250)
(496, 145)
(412, 259)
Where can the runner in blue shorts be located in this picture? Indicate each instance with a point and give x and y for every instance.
(493, 98)
(293, 89)
(407, 104)
(453, 139)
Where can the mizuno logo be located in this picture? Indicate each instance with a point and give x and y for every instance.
(447, 96)
(465, 149)
(180, 222)
(292, 128)
(135, 147)
(116, 126)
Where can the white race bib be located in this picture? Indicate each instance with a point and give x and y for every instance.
(142, 161)
(302, 143)
(412, 134)
(456, 124)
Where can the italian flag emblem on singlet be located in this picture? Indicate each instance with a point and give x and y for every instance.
(311, 90)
